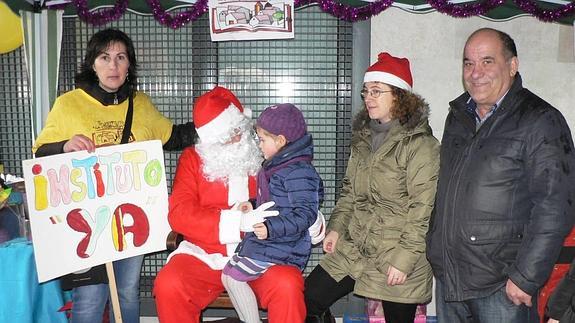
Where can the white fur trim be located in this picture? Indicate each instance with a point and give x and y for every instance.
(229, 229)
(238, 190)
(216, 261)
(248, 113)
(221, 125)
(317, 230)
(231, 248)
(386, 78)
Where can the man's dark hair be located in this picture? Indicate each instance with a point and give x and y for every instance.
(509, 48)
(508, 44)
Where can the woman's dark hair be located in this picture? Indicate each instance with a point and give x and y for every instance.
(408, 108)
(98, 44)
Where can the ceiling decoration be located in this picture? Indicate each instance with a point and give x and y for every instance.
(103, 12)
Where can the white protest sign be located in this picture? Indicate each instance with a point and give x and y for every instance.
(87, 209)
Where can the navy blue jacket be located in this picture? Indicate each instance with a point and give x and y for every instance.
(297, 191)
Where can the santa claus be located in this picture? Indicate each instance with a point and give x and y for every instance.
(212, 177)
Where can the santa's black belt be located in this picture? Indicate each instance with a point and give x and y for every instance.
(566, 256)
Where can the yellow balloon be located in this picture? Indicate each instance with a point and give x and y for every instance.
(11, 36)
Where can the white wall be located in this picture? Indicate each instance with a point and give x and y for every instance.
(434, 42)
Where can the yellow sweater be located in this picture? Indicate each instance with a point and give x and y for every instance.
(76, 112)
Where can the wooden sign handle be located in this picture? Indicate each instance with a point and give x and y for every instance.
(114, 292)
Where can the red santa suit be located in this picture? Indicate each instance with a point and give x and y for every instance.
(200, 211)
(560, 269)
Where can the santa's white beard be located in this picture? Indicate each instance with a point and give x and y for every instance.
(220, 161)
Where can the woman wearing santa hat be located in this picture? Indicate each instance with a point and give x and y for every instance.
(375, 245)
(211, 178)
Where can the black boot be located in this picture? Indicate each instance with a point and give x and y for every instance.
(326, 317)
(313, 319)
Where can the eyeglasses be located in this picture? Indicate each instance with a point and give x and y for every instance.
(375, 93)
(229, 137)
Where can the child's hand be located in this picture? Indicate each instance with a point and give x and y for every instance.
(261, 231)
(330, 241)
(245, 207)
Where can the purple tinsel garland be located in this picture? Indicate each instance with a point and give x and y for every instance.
(182, 18)
(333, 7)
(466, 10)
(546, 15)
(100, 17)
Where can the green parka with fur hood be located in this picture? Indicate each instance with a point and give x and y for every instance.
(383, 212)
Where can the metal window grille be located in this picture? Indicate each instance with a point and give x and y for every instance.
(15, 117)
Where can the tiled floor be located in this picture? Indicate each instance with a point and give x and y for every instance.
(155, 320)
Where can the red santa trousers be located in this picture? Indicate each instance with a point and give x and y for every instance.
(186, 285)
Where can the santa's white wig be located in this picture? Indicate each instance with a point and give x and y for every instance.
(225, 157)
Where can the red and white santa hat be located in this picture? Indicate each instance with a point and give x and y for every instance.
(390, 70)
(216, 113)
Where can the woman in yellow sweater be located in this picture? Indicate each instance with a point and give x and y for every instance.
(95, 114)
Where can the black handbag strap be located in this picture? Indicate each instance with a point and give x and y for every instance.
(128, 122)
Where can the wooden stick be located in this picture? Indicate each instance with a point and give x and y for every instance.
(114, 292)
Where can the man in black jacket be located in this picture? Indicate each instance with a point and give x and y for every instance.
(505, 192)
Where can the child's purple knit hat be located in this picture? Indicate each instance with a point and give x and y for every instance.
(283, 119)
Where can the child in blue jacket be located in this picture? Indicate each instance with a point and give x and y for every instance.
(289, 179)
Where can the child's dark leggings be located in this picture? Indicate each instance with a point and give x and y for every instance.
(321, 291)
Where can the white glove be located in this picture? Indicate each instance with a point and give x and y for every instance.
(259, 215)
(317, 230)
